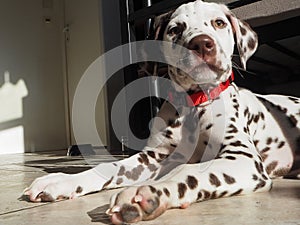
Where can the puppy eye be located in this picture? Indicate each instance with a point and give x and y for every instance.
(219, 23)
(174, 31)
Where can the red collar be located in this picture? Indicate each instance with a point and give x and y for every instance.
(199, 97)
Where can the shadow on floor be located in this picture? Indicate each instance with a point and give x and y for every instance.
(98, 214)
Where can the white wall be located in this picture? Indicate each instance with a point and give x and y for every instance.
(31, 50)
(83, 47)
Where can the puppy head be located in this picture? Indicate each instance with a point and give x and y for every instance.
(202, 37)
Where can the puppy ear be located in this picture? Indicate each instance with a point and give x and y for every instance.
(246, 38)
(159, 25)
(156, 32)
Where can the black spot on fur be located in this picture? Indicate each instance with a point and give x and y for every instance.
(255, 177)
(232, 128)
(201, 113)
(243, 31)
(251, 43)
(258, 167)
(238, 144)
(168, 134)
(214, 180)
(119, 181)
(293, 121)
(266, 149)
(192, 182)
(281, 144)
(260, 184)
(269, 141)
(213, 195)
(256, 118)
(144, 158)
(295, 100)
(167, 192)
(228, 179)
(174, 123)
(182, 188)
(121, 171)
(246, 112)
(173, 145)
(79, 190)
(209, 126)
(239, 153)
(237, 192)
(230, 157)
(271, 167)
(223, 194)
(151, 154)
(206, 194)
(152, 189)
(159, 193)
(199, 196)
(229, 137)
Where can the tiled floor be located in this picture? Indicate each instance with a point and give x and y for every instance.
(280, 206)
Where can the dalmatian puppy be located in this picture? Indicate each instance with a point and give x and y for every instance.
(223, 141)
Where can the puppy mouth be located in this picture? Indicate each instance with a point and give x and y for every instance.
(203, 73)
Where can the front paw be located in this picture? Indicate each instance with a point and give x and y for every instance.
(53, 187)
(135, 204)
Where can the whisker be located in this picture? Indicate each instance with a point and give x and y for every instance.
(238, 68)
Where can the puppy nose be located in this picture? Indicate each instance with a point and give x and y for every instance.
(203, 45)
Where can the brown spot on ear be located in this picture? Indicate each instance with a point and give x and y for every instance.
(182, 188)
(251, 43)
(213, 179)
(243, 31)
(160, 26)
(192, 182)
(79, 190)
